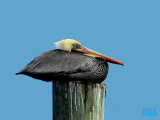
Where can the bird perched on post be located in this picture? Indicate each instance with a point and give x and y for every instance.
(70, 61)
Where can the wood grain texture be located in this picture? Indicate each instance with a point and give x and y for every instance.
(78, 101)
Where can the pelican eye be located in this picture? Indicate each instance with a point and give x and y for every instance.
(76, 46)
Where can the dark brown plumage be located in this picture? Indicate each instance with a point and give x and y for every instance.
(62, 65)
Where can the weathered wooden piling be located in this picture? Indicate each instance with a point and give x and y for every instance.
(78, 101)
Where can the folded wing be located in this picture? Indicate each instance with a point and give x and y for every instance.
(59, 64)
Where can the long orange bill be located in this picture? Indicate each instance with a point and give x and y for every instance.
(88, 51)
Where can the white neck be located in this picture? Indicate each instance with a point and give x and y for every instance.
(59, 45)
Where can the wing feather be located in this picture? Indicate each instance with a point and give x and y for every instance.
(57, 62)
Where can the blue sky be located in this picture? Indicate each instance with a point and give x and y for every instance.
(127, 30)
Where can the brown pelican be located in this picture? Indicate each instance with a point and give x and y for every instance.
(70, 61)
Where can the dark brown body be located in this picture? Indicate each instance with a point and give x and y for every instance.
(61, 65)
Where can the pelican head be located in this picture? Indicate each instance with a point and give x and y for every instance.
(66, 44)
(73, 45)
